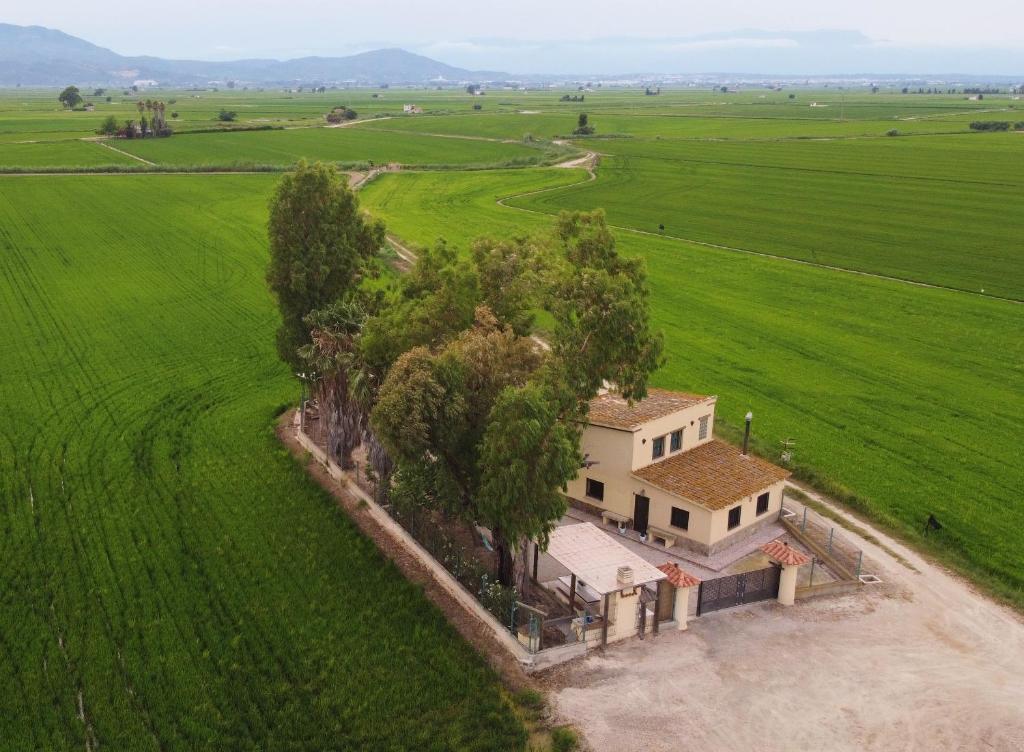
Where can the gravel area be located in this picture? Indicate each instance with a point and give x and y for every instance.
(921, 662)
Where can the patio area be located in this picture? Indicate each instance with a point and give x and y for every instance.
(704, 567)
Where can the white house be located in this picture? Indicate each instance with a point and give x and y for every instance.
(655, 467)
(412, 109)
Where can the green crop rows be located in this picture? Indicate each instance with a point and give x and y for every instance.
(172, 580)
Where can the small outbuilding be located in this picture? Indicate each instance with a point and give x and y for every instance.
(606, 589)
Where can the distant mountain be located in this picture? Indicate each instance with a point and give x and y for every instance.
(36, 56)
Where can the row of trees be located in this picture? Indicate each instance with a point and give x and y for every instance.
(996, 125)
(461, 411)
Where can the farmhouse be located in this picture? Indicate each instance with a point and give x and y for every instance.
(412, 109)
(654, 467)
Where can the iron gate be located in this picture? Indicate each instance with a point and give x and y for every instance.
(737, 589)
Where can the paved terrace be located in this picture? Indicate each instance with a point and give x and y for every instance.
(742, 556)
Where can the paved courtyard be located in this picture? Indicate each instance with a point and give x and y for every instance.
(920, 662)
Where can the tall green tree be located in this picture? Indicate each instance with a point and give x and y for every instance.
(319, 245)
(528, 453)
(70, 97)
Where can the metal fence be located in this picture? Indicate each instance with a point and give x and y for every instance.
(478, 579)
(830, 541)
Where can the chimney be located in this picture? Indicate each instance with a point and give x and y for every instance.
(746, 432)
(625, 576)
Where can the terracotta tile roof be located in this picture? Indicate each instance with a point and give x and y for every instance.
(714, 475)
(613, 411)
(782, 553)
(678, 576)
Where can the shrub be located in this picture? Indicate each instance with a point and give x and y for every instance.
(892, 132)
(530, 699)
(109, 126)
(564, 739)
(227, 116)
(339, 114)
(478, 107)
(990, 125)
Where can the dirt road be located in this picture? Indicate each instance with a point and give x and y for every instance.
(921, 662)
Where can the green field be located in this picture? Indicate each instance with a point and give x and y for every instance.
(933, 209)
(327, 144)
(60, 153)
(171, 575)
(175, 581)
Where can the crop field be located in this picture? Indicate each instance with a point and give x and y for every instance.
(60, 153)
(689, 125)
(175, 580)
(934, 210)
(327, 144)
(172, 578)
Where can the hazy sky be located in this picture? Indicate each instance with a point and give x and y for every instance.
(489, 35)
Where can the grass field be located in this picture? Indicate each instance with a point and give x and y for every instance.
(907, 398)
(60, 153)
(173, 580)
(934, 210)
(328, 144)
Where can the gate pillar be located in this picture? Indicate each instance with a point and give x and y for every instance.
(790, 560)
(787, 584)
(683, 582)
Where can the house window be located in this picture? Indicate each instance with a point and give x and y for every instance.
(676, 441)
(680, 518)
(595, 489)
(762, 503)
(703, 434)
(734, 517)
(658, 447)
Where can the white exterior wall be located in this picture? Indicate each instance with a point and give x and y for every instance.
(660, 514)
(687, 419)
(611, 449)
(720, 518)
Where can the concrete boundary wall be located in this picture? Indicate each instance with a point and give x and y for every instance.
(530, 661)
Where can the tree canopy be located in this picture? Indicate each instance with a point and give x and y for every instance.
(70, 97)
(481, 420)
(463, 411)
(319, 244)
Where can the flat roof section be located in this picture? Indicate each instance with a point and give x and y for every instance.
(594, 557)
